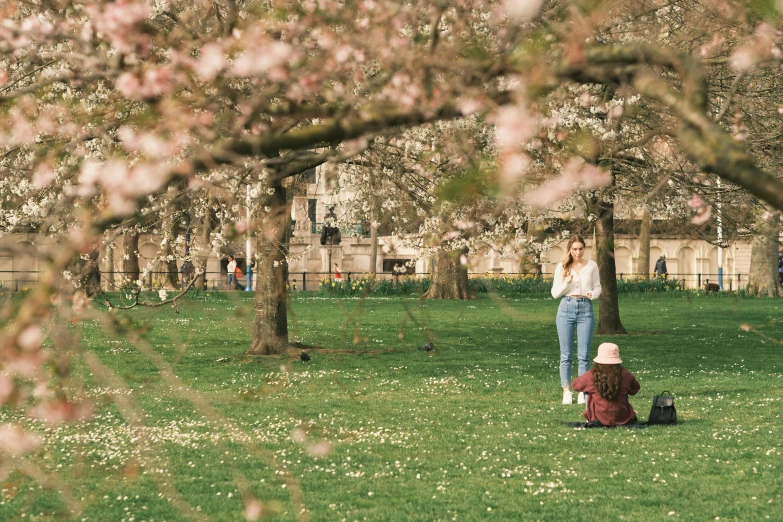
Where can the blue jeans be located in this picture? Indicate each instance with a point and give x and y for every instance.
(574, 314)
(231, 281)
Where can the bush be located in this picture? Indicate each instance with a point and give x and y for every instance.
(511, 285)
(641, 285)
(402, 285)
(505, 285)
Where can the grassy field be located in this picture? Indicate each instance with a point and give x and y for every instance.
(374, 429)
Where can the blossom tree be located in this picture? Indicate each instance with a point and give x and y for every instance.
(121, 114)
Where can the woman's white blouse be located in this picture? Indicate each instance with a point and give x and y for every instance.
(582, 283)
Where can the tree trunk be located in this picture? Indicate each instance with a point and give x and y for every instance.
(763, 277)
(449, 276)
(201, 248)
(87, 271)
(373, 239)
(130, 259)
(110, 253)
(172, 272)
(270, 322)
(643, 270)
(609, 314)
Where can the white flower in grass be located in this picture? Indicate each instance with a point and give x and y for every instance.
(162, 293)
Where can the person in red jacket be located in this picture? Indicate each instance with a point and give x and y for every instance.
(608, 386)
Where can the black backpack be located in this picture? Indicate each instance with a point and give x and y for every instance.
(663, 410)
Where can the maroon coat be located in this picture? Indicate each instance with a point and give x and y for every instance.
(609, 413)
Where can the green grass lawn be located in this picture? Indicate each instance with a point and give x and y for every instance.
(374, 429)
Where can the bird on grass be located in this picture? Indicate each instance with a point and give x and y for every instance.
(304, 356)
(427, 347)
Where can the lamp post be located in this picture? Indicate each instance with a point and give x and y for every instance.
(720, 239)
(248, 269)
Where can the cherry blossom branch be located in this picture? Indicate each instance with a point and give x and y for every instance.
(709, 146)
(730, 96)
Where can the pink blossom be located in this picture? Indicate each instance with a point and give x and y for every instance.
(83, 240)
(744, 59)
(26, 365)
(22, 130)
(116, 22)
(30, 338)
(702, 216)
(254, 510)
(522, 10)
(3, 77)
(615, 112)
(515, 126)
(58, 411)
(585, 100)
(513, 167)
(15, 441)
(320, 449)
(157, 81)
(576, 176)
(129, 85)
(712, 46)
(258, 61)
(206, 118)
(323, 37)
(469, 105)
(343, 53)
(696, 201)
(211, 62)
(43, 175)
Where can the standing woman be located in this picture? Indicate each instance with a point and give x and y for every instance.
(576, 281)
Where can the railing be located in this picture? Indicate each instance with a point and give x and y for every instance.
(357, 229)
(699, 280)
(20, 280)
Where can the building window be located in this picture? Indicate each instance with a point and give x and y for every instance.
(312, 204)
(309, 175)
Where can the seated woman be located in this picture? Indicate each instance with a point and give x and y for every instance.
(608, 385)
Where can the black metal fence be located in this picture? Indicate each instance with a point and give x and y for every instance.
(19, 280)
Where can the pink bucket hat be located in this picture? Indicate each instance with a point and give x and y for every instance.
(608, 353)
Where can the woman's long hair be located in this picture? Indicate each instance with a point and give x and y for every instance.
(606, 378)
(568, 260)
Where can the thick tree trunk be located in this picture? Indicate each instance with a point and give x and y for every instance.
(449, 277)
(130, 259)
(609, 314)
(92, 280)
(201, 248)
(88, 273)
(110, 255)
(763, 277)
(270, 322)
(643, 270)
(172, 272)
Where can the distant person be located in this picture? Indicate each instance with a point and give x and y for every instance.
(188, 271)
(231, 269)
(660, 267)
(337, 275)
(576, 281)
(780, 267)
(237, 275)
(607, 387)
